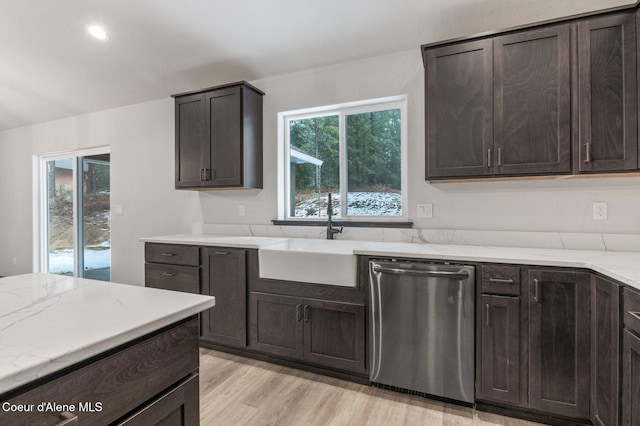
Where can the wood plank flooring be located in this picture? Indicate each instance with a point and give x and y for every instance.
(241, 391)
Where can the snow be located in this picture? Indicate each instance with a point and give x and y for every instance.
(358, 204)
(61, 261)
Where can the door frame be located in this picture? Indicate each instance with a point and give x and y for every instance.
(40, 213)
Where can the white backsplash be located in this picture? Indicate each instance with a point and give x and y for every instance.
(556, 240)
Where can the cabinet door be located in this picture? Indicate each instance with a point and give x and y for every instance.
(559, 342)
(334, 334)
(224, 276)
(605, 351)
(499, 369)
(607, 94)
(191, 135)
(225, 137)
(276, 324)
(532, 127)
(631, 380)
(459, 115)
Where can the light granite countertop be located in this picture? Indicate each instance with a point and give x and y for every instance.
(49, 322)
(621, 266)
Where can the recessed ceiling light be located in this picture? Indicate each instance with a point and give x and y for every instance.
(97, 31)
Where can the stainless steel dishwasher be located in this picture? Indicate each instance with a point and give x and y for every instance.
(422, 329)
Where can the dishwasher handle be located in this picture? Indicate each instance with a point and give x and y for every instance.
(401, 271)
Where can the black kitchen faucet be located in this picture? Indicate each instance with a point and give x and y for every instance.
(330, 229)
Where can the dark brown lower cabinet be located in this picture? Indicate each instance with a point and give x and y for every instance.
(276, 326)
(559, 342)
(155, 378)
(224, 277)
(334, 334)
(177, 407)
(605, 351)
(499, 372)
(631, 379)
(321, 332)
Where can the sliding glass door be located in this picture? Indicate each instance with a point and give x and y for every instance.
(76, 237)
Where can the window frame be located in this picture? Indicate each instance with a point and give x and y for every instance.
(341, 110)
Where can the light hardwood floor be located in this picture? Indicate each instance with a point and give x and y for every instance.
(240, 391)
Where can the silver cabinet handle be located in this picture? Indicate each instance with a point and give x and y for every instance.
(169, 274)
(487, 319)
(587, 148)
(203, 176)
(222, 253)
(536, 290)
(298, 313)
(501, 280)
(500, 156)
(636, 315)
(168, 254)
(489, 157)
(400, 271)
(67, 419)
(306, 313)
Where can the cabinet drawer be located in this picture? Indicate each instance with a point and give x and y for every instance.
(172, 254)
(178, 406)
(501, 279)
(120, 382)
(632, 310)
(172, 277)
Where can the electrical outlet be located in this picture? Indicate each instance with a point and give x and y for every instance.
(424, 211)
(15, 261)
(600, 211)
(242, 210)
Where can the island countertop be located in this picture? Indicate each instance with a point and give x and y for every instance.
(49, 322)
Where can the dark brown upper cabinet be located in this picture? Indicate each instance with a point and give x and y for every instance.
(459, 102)
(607, 95)
(550, 99)
(532, 104)
(219, 137)
(500, 106)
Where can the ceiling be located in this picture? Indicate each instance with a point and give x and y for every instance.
(51, 68)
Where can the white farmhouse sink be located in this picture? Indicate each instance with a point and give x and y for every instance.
(329, 262)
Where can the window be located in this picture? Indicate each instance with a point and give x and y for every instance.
(74, 219)
(355, 152)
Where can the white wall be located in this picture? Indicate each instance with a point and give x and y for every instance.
(141, 138)
(142, 171)
(562, 205)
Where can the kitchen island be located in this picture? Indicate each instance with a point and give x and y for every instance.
(92, 352)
